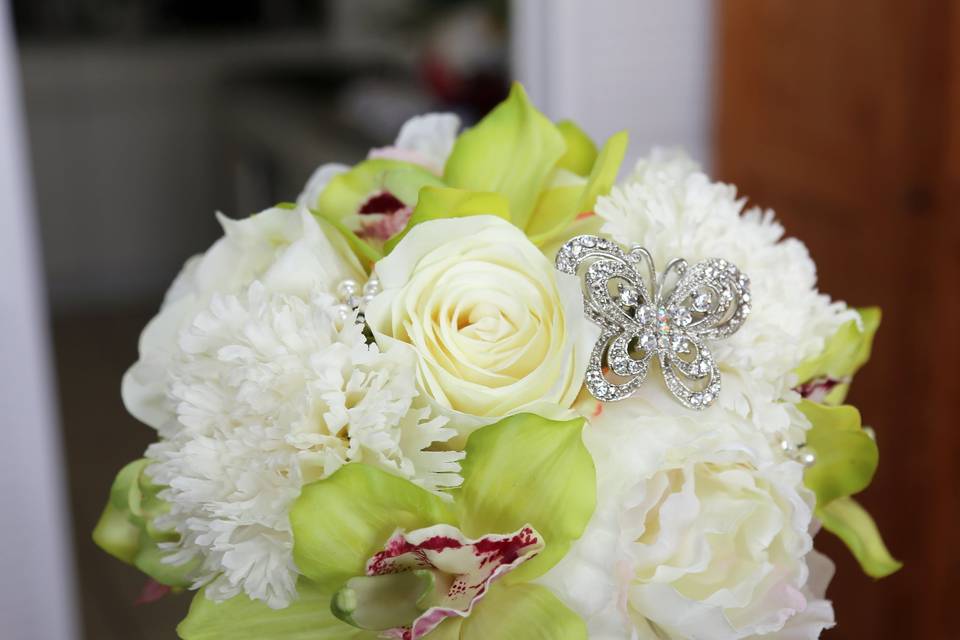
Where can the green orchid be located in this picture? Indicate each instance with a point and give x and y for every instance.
(516, 163)
(127, 531)
(381, 557)
(548, 173)
(827, 377)
(371, 202)
(846, 459)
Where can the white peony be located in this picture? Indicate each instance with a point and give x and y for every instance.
(287, 250)
(257, 386)
(495, 328)
(699, 532)
(670, 207)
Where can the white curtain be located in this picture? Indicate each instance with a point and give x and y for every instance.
(36, 570)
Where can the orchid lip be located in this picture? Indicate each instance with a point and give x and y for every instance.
(423, 577)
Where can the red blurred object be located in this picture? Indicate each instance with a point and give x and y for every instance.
(151, 592)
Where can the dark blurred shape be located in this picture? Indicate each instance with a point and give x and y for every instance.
(845, 118)
(154, 17)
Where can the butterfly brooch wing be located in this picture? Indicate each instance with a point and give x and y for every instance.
(707, 301)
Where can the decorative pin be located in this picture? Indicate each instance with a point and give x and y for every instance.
(708, 301)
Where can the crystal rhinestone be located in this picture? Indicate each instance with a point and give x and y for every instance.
(701, 302)
(682, 316)
(588, 241)
(645, 314)
(664, 342)
(577, 249)
(629, 297)
(648, 342)
(704, 366)
(346, 288)
(679, 344)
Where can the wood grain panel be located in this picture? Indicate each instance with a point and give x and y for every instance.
(843, 116)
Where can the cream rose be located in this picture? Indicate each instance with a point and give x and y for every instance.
(496, 329)
(700, 532)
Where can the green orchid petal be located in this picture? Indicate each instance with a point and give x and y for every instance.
(849, 521)
(583, 225)
(449, 629)
(527, 469)
(383, 602)
(605, 170)
(126, 529)
(240, 618)
(150, 557)
(443, 202)
(843, 355)
(341, 521)
(556, 209)
(552, 217)
(846, 456)
(525, 611)
(116, 535)
(365, 252)
(511, 151)
(581, 152)
(348, 191)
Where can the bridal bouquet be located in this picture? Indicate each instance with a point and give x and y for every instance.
(474, 388)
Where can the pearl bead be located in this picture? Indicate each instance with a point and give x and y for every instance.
(346, 289)
(371, 287)
(808, 458)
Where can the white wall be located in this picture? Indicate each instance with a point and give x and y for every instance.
(642, 65)
(36, 588)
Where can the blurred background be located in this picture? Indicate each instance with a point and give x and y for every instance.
(124, 124)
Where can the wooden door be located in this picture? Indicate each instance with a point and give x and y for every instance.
(845, 118)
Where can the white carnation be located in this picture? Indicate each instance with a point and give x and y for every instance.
(670, 207)
(257, 386)
(700, 532)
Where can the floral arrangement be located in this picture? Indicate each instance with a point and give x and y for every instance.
(473, 387)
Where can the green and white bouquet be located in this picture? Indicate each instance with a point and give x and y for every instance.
(471, 388)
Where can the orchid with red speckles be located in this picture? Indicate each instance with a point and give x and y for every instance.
(381, 557)
(448, 571)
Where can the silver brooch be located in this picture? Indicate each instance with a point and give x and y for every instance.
(706, 301)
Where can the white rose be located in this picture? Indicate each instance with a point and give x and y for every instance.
(700, 532)
(289, 251)
(496, 329)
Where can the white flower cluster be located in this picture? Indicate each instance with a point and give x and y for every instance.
(259, 386)
(703, 526)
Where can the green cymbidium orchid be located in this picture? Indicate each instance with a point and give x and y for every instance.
(126, 529)
(846, 459)
(515, 164)
(381, 557)
(827, 377)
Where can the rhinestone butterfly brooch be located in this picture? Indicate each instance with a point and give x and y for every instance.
(707, 301)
